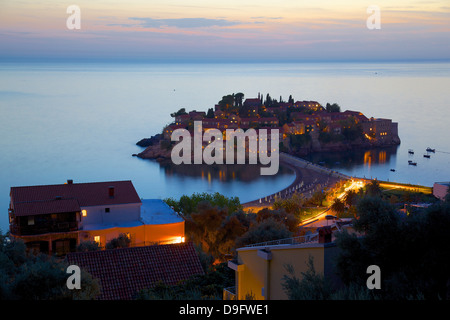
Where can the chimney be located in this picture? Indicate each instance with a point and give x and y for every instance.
(111, 192)
(69, 181)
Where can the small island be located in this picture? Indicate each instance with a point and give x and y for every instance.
(304, 127)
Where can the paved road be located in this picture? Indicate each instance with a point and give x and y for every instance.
(319, 220)
(309, 177)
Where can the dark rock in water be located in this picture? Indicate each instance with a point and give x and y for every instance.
(146, 142)
(154, 152)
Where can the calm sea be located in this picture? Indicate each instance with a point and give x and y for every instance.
(81, 121)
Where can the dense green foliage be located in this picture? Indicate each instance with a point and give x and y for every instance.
(178, 113)
(338, 206)
(219, 233)
(328, 137)
(411, 250)
(89, 245)
(210, 113)
(265, 230)
(296, 202)
(232, 103)
(214, 229)
(314, 286)
(218, 225)
(186, 205)
(29, 276)
(122, 241)
(352, 130)
(298, 141)
(332, 107)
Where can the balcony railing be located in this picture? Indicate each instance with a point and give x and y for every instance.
(294, 240)
(52, 227)
(229, 293)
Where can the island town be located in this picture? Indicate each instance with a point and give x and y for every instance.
(313, 240)
(303, 126)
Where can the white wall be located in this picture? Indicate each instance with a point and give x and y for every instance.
(117, 214)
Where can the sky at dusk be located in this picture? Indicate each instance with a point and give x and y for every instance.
(225, 31)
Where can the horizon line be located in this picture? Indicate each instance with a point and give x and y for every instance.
(212, 61)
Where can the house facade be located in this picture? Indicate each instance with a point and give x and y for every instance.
(56, 218)
(260, 268)
(167, 132)
(381, 129)
(312, 105)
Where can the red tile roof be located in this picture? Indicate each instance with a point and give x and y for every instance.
(124, 272)
(46, 207)
(252, 101)
(68, 197)
(173, 127)
(356, 114)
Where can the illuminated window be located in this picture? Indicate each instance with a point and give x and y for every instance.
(97, 239)
(31, 221)
(84, 213)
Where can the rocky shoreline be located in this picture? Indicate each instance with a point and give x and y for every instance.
(153, 149)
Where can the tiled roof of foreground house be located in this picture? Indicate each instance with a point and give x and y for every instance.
(124, 272)
(69, 197)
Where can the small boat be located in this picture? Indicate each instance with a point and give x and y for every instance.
(410, 151)
(426, 156)
(412, 163)
(431, 150)
(393, 170)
